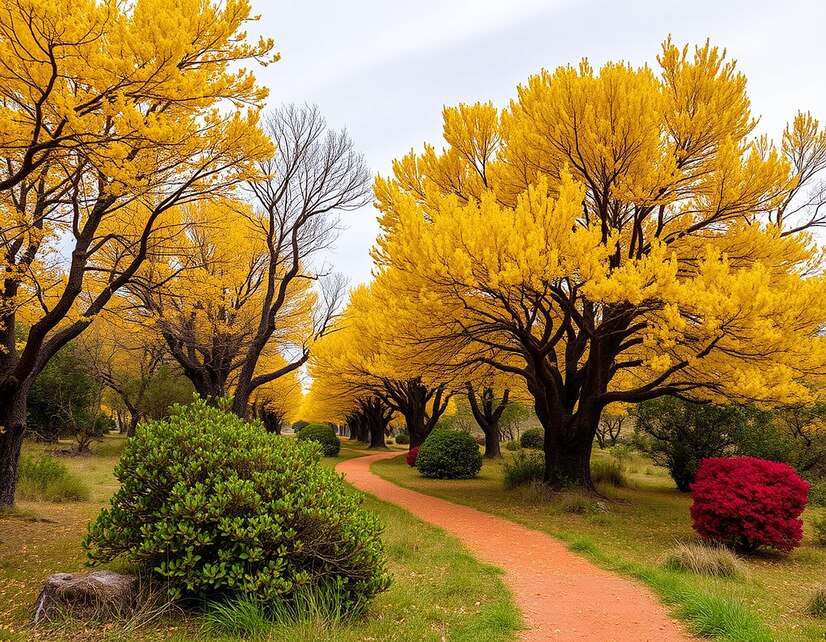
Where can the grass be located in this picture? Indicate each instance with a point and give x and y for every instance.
(633, 530)
(45, 478)
(817, 602)
(696, 557)
(439, 591)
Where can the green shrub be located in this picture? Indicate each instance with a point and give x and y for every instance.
(324, 435)
(449, 454)
(819, 525)
(533, 438)
(817, 602)
(607, 472)
(526, 467)
(299, 425)
(218, 507)
(46, 479)
(817, 492)
(402, 439)
(511, 445)
(704, 559)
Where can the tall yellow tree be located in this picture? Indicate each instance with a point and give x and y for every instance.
(612, 236)
(202, 295)
(362, 375)
(112, 114)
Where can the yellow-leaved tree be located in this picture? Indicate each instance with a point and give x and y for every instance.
(112, 113)
(612, 236)
(362, 377)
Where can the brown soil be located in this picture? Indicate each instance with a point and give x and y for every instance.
(561, 595)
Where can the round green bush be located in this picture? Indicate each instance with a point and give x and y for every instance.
(449, 454)
(323, 434)
(402, 438)
(215, 507)
(532, 438)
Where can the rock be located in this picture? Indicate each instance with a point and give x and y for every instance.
(98, 593)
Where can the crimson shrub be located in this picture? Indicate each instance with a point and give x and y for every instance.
(746, 503)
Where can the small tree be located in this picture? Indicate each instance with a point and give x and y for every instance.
(487, 410)
(683, 434)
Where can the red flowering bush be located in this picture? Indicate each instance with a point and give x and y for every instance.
(412, 454)
(746, 503)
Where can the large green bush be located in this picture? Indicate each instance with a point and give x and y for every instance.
(216, 506)
(449, 454)
(533, 438)
(324, 435)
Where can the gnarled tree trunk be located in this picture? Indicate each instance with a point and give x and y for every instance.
(487, 416)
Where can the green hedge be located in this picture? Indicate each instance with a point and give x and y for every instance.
(215, 506)
(449, 454)
(324, 435)
(533, 438)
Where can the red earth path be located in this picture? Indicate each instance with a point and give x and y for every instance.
(561, 595)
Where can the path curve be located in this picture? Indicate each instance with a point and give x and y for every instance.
(562, 596)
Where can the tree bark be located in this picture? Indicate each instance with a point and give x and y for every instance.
(568, 445)
(13, 423)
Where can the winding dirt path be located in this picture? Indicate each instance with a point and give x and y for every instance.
(561, 595)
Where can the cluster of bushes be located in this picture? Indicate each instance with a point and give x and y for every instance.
(323, 434)
(216, 507)
(402, 438)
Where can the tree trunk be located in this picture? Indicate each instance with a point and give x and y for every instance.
(492, 449)
(134, 420)
(377, 435)
(13, 422)
(567, 449)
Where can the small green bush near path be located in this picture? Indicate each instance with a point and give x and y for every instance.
(532, 438)
(402, 439)
(324, 435)
(45, 478)
(449, 454)
(215, 506)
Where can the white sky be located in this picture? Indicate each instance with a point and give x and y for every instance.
(385, 68)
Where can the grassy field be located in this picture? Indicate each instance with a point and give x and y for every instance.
(439, 591)
(631, 529)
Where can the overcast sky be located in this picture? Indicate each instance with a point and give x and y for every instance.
(385, 68)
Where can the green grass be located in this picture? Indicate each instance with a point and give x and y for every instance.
(439, 591)
(45, 478)
(632, 529)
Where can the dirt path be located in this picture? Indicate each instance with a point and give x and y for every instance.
(561, 595)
